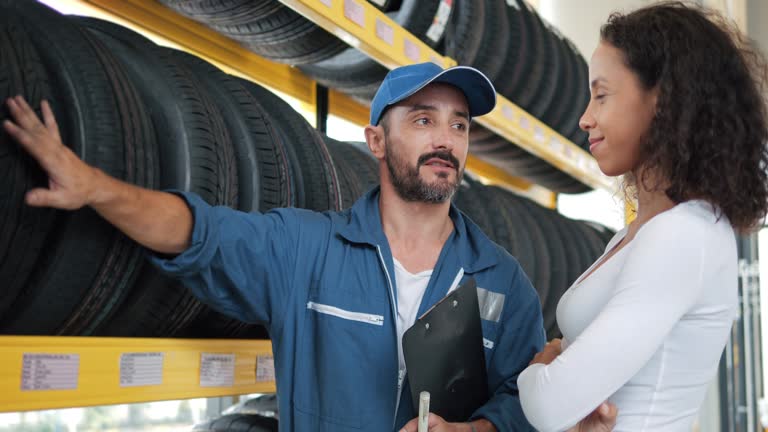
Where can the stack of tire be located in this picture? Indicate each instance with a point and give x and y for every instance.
(164, 119)
(258, 414)
(528, 61)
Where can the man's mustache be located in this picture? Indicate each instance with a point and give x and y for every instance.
(444, 155)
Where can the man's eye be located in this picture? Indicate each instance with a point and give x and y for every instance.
(422, 121)
(460, 126)
(599, 96)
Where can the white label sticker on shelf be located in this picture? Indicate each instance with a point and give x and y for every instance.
(556, 145)
(141, 369)
(436, 60)
(50, 371)
(411, 50)
(524, 123)
(217, 370)
(265, 368)
(508, 112)
(326, 2)
(568, 151)
(385, 31)
(583, 163)
(538, 134)
(355, 12)
(436, 30)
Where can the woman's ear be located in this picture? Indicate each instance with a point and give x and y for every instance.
(374, 137)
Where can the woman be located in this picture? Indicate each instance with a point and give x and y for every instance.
(677, 109)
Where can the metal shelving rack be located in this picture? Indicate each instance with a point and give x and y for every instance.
(57, 372)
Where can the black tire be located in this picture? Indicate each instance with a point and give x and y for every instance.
(197, 155)
(558, 264)
(462, 41)
(357, 171)
(266, 27)
(468, 199)
(517, 62)
(238, 423)
(536, 248)
(548, 84)
(525, 80)
(564, 96)
(366, 165)
(491, 53)
(89, 265)
(310, 157)
(23, 229)
(263, 177)
(348, 184)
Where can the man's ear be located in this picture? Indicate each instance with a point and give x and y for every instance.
(374, 137)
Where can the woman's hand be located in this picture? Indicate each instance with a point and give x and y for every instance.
(550, 352)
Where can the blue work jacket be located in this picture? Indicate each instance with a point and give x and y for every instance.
(323, 285)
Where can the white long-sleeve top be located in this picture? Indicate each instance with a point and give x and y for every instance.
(645, 330)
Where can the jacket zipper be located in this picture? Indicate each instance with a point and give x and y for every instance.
(394, 317)
(345, 314)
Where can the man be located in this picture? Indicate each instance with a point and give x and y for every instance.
(337, 290)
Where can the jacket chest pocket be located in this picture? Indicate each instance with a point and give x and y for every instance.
(343, 355)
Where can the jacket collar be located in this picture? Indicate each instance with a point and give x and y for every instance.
(363, 225)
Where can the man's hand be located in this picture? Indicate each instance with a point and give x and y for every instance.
(438, 424)
(603, 419)
(550, 352)
(159, 221)
(71, 182)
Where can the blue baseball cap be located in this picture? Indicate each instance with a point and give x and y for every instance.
(402, 82)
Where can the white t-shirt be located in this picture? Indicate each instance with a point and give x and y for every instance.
(410, 291)
(645, 330)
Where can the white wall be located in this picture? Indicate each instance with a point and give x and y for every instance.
(757, 22)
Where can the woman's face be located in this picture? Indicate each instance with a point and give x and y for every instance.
(619, 112)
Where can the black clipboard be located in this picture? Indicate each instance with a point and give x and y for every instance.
(444, 355)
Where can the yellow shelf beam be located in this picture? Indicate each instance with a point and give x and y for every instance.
(88, 371)
(363, 26)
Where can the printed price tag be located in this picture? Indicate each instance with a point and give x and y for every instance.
(538, 134)
(354, 12)
(326, 2)
(217, 370)
(555, 145)
(524, 123)
(508, 112)
(50, 371)
(385, 31)
(141, 369)
(265, 368)
(412, 51)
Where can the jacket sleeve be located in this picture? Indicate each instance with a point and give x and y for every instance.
(521, 337)
(241, 264)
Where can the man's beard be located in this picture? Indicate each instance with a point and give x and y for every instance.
(410, 186)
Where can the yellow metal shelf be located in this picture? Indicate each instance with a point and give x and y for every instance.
(88, 370)
(363, 26)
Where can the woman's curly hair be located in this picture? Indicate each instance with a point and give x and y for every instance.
(708, 137)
